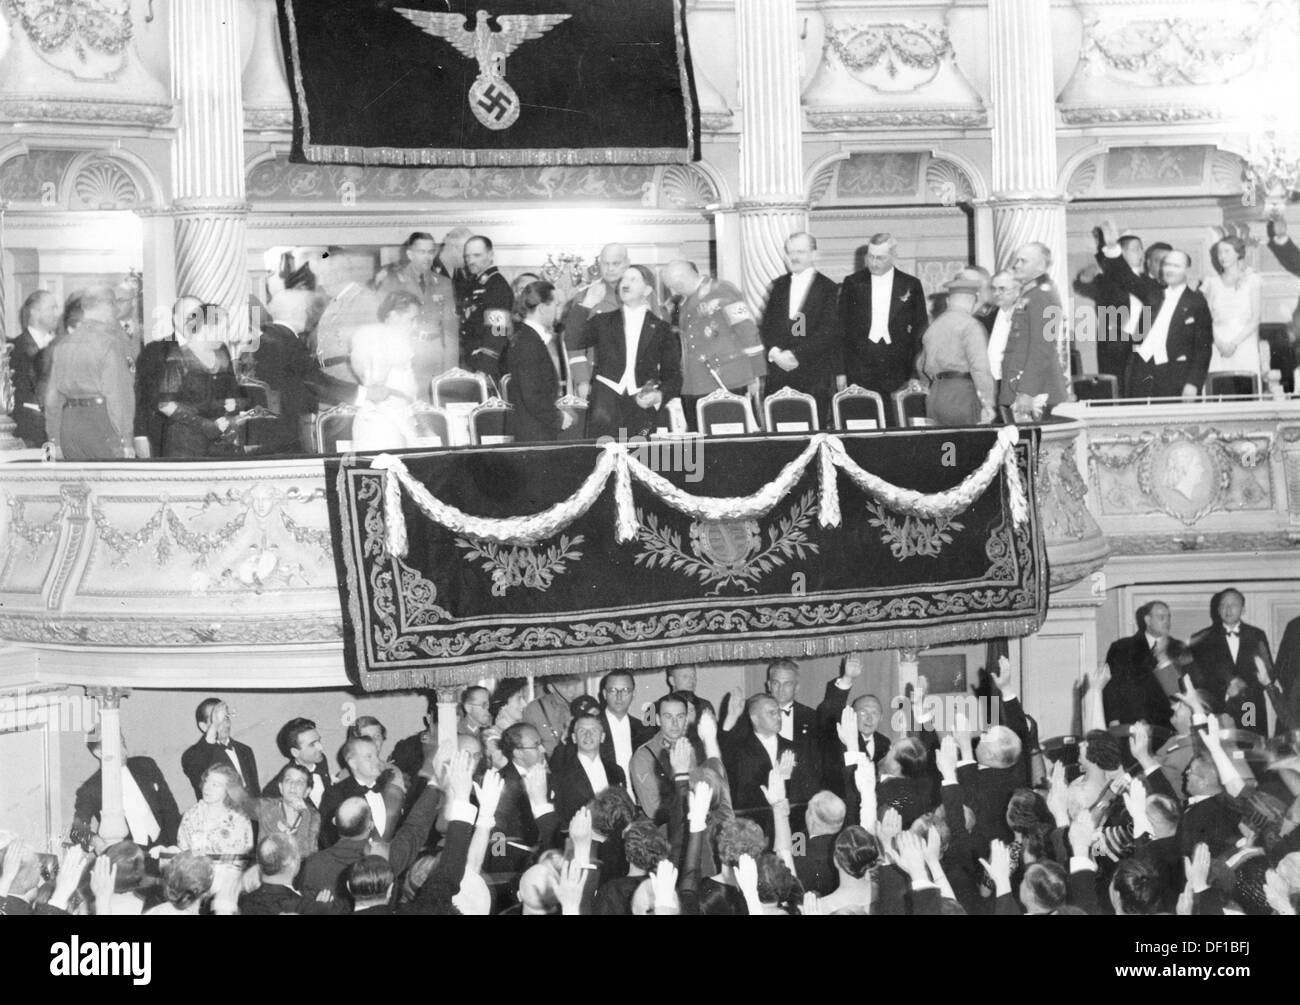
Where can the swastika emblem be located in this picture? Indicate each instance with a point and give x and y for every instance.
(494, 102)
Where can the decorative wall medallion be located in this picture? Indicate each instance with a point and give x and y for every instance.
(902, 56)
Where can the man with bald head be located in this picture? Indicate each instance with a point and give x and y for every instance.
(1033, 379)
(1172, 350)
(597, 297)
(883, 315)
(801, 327)
(721, 348)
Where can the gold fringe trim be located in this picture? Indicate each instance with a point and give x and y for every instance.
(663, 655)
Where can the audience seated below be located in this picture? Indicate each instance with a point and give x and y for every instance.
(575, 804)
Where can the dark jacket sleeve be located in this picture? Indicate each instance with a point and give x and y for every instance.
(434, 897)
(411, 836)
(530, 368)
(1082, 888)
(670, 363)
(1118, 272)
(1288, 255)
(1203, 344)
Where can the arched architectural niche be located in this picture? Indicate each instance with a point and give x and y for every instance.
(692, 186)
(1117, 171)
(931, 168)
(95, 178)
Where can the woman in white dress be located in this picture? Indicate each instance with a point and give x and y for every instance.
(382, 357)
(1235, 296)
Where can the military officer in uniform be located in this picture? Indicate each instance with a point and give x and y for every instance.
(436, 339)
(1032, 378)
(598, 297)
(487, 327)
(720, 341)
(955, 359)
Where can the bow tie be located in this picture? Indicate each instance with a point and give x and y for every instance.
(365, 788)
(1232, 631)
(788, 711)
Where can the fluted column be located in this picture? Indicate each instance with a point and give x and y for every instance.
(112, 820)
(1027, 203)
(208, 156)
(772, 202)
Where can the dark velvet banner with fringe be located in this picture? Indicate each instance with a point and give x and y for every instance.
(421, 83)
(456, 609)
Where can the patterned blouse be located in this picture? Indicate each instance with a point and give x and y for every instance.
(227, 833)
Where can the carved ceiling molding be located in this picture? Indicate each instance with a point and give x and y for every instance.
(98, 111)
(920, 117)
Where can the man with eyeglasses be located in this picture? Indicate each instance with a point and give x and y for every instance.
(623, 732)
(583, 769)
(525, 817)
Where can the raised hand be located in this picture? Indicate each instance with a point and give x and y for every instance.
(847, 730)
(1190, 696)
(580, 829)
(1261, 672)
(1140, 740)
(891, 824)
(489, 796)
(1197, 868)
(852, 666)
(735, 706)
(103, 884)
(72, 869)
(747, 878)
(663, 887)
(811, 904)
(1002, 678)
(910, 856)
(460, 776)
(697, 806)
(535, 786)
(679, 756)
(1185, 902)
(998, 866)
(945, 759)
(774, 790)
(1278, 893)
(706, 728)
(1058, 796)
(1109, 233)
(1135, 801)
(569, 887)
(933, 848)
(1099, 677)
(785, 764)
(17, 850)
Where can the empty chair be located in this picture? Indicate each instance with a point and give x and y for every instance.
(459, 387)
(909, 405)
(578, 406)
(855, 409)
(1232, 382)
(504, 383)
(790, 411)
(722, 413)
(490, 423)
(332, 426)
(1095, 387)
(431, 428)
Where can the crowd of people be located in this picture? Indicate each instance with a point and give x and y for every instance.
(579, 803)
(639, 347)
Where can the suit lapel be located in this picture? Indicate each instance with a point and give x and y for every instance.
(643, 348)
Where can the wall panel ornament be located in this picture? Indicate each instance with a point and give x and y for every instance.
(278, 181)
(902, 177)
(78, 60)
(1171, 62)
(1125, 172)
(104, 184)
(889, 73)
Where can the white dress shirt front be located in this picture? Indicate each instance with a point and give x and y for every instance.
(595, 772)
(998, 341)
(620, 734)
(140, 820)
(882, 297)
(771, 746)
(1154, 347)
(800, 283)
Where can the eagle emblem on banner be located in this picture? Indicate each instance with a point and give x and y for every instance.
(492, 100)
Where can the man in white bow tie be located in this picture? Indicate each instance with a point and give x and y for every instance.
(883, 315)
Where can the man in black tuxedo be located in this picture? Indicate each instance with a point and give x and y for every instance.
(39, 318)
(883, 316)
(213, 717)
(1288, 255)
(1208, 818)
(538, 366)
(869, 740)
(1225, 666)
(525, 817)
(797, 726)
(1175, 338)
(152, 817)
(627, 394)
(583, 769)
(299, 740)
(623, 732)
(751, 756)
(1119, 311)
(1287, 670)
(361, 755)
(1143, 674)
(801, 328)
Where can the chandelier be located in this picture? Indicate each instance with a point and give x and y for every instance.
(1272, 168)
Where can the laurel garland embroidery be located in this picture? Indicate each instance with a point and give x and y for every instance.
(914, 536)
(522, 566)
(787, 539)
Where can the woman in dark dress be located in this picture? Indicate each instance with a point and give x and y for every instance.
(198, 393)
